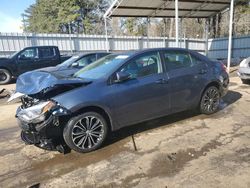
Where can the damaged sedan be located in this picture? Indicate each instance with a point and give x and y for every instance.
(116, 91)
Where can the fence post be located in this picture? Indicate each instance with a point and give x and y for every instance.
(111, 43)
(186, 43)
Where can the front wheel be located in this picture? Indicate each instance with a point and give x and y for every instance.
(210, 100)
(5, 76)
(86, 132)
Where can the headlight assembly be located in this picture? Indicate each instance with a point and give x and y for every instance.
(35, 114)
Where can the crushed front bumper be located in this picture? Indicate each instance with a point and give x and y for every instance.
(47, 134)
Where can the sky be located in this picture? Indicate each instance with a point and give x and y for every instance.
(10, 14)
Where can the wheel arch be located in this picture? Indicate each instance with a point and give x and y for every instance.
(6, 68)
(213, 83)
(97, 109)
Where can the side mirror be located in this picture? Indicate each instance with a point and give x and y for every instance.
(122, 76)
(75, 65)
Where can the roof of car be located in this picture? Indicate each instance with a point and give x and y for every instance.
(135, 52)
(41, 46)
(89, 53)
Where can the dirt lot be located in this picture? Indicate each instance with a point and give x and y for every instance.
(181, 150)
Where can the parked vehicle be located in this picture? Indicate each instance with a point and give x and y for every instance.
(114, 92)
(244, 71)
(75, 63)
(29, 59)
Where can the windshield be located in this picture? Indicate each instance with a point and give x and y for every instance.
(69, 61)
(101, 67)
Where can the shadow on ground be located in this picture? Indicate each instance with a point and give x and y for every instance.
(228, 100)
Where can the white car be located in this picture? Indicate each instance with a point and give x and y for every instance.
(244, 70)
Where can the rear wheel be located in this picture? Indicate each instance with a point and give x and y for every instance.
(210, 101)
(86, 132)
(5, 76)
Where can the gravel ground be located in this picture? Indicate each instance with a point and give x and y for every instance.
(180, 150)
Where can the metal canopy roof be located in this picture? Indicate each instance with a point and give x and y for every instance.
(166, 8)
(171, 9)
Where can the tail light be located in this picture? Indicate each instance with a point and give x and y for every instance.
(223, 67)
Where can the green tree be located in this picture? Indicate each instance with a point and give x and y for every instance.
(63, 16)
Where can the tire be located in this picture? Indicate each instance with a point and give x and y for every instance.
(5, 76)
(210, 101)
(244, 81)
(83, 138)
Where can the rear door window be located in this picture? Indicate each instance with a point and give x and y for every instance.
(177, 59)
(196, 60)
(46, 53)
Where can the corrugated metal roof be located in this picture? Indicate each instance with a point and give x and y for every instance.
(165, 8)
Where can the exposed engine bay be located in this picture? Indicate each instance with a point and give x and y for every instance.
(40, 118)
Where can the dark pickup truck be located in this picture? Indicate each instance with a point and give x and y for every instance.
(29, 59)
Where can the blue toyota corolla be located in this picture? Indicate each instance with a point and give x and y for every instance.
(113, 92)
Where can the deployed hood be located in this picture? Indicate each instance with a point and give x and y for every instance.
(31, 83)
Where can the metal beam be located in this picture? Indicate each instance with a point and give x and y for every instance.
(199, 1)
(176, 24)
(148, 20)
(198, 8)
(169, 9)
(159, 9)
(206, 36)
(106, 34)
(146, 16)
(230, 36)
(112, 8)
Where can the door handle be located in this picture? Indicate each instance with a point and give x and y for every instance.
(161, 81)
(203, 71)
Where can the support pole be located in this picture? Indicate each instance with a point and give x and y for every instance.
(70, 38)
(176, 24)
(106, 34)
(180, 33)
(148, 32)
(206, 37)
(230, 36)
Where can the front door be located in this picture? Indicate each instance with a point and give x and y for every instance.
(145, 95)
(27, 60)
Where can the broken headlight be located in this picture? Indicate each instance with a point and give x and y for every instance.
(35, 114)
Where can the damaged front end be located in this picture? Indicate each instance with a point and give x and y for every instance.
(42, 123)
(40, 118)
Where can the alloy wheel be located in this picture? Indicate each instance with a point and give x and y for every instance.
(87, 132)
(211, 100)
(3, 76)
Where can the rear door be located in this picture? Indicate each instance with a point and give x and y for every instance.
(47, 57)
(187, 77)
